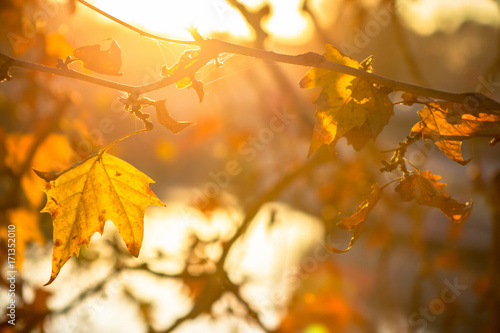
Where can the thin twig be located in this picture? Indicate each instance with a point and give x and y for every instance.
(266, 197)
(87, 293)
(131, 27)
(407, 53)
(309, 59)
(212, 290)
(66, 73)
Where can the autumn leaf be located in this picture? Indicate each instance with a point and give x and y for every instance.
(357, 220)
(188, 59)
(164, 116)
(347, 106)
(101, 61)
(425, 189)
(83, 197)
(198, 88)
(448, 124)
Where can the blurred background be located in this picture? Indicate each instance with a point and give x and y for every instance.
(240, 245)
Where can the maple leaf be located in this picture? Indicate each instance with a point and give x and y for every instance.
(425, 189)
(347, 106)
(188, 59)
(357, 220)
(83, 197)
(448, 124)
(101, 61)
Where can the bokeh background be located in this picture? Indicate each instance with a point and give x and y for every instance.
(410, 271)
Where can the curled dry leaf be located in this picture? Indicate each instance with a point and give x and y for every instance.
(101, 61)
(187, 60)
(347, 106)
(357, 220)
(198, 88)
(166, 120)
(425, 189)
(83, 197)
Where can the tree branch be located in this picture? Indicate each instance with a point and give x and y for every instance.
(131, 27)
(309, 59)
(11, 62)
(213, 47)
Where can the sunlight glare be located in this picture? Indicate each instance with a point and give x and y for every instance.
(428, 16)
(286, 21)
(171, 19)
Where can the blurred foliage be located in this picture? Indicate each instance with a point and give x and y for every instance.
(242, 247)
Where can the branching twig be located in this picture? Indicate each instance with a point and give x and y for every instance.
(266, 197)
(213, 47)
(66, 73)
(87, 293)
(219, 280)
(402, 41)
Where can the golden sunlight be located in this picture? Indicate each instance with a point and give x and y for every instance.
(428, 16)
(173, 18)
(209, 17)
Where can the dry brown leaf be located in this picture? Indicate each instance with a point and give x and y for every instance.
(448, 124)
(425, 189)
(166, 120)
(357, 220)
(101, 61)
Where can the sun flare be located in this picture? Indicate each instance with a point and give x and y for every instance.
(210, 17)
(173, 18)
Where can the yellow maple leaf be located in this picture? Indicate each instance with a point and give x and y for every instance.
(347, 106)
(82, 198)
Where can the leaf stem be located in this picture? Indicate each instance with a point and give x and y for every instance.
(124, 137)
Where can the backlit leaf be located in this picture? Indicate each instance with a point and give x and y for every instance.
(188, 59)
(101, 61)
(166, 120)
(82, 198)
(347, 106)
(425, 189)
(448, 124)
(357, 220)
